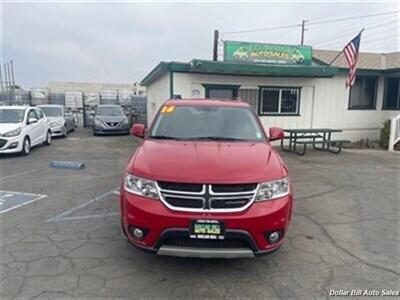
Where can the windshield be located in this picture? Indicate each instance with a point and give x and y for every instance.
(52, 111)
(12, 115)
(109, 111)
(207, 123)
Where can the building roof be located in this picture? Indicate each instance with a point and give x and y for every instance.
(242, 69)
(62, 86)
(367, 61)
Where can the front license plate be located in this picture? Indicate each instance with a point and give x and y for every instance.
(207, 229)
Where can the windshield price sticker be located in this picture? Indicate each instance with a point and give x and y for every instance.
(168, 109)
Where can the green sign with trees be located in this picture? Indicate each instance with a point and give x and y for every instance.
(267, 53)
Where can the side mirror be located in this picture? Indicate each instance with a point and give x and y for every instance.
(32, 120)
(138, 130)
(276, 133)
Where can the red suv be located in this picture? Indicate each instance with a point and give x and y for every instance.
(206, 182)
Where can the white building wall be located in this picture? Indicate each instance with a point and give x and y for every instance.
(157, 94)
(323, 104)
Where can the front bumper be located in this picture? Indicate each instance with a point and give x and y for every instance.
(111, 130)
(11, 145)
(58, 131)
(167, 231)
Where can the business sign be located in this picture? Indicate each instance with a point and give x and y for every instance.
(267, 53)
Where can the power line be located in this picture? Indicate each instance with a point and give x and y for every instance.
(335, 36)
(352, 18)
(261, 29)
(310, 23)
(368, 34)
(388, 37)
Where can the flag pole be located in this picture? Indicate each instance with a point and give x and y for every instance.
(337, 56)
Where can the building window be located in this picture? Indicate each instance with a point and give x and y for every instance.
(391, 99)
(216, 91)
(363, 93)
(279, 101)
(249, 96)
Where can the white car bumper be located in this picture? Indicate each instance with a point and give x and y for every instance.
(11, 145)
(57, 130)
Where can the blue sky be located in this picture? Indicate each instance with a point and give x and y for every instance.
(122, 42)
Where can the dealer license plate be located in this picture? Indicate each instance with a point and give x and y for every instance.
(207, 229)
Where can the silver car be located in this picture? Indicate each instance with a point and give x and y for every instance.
(110, 119)
(61, 122)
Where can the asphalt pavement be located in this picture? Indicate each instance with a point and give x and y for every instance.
(66, 242)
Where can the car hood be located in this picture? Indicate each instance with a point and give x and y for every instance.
(6, 127)
(206, 162)
(56, 119)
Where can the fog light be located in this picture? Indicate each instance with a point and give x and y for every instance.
(138, 233)
(275, 236)
(13, 145)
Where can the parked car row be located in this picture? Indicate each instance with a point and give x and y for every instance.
(23, 127)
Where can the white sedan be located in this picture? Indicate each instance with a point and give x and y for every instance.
(22, 127)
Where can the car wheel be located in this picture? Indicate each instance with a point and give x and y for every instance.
(26, 146)
(47, 142)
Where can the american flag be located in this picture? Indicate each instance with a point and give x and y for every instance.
(351, 54)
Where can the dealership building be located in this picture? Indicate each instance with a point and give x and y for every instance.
(288, 86)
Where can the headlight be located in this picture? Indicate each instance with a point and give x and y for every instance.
(140, 186)
(126, 121)
(97, 122)
(12, 133)
(273, 189)
(57, 123)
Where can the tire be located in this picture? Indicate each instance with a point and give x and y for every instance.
(65, 132)
(26, 146)
(47, 142)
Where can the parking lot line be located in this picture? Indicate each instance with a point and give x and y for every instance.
(80, 206)
(86, 217)
(18, 174)
(8, 196)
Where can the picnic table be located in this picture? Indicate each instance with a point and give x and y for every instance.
(301, 137)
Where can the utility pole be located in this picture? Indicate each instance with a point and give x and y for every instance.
(215, 48)
(303, 29)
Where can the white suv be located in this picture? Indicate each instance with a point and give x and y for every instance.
(22, 127)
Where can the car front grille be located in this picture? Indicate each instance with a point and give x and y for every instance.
(2, 142)
(207, 197)
(112, 124)
(184, 187)
(184, 201)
